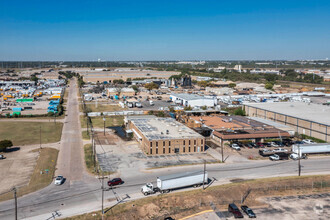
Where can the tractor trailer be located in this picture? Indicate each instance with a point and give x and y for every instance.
(179, 180)
(311, 148)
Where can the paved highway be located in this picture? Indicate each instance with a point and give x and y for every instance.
(82, 193)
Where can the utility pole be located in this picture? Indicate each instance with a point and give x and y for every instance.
(222, 150)
(204, 174)
(15, 196)
(40, 137)
(102, 194)
(104, 126)
(299, 166)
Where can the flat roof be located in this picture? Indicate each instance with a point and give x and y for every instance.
(155, 128)
(306, 111)
(186, 96)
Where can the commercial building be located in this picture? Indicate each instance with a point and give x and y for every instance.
(193, 100)
(127, 92)
(164, 135)
(232, 128)
(306, 118)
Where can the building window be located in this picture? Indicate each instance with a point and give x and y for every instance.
(184, 149)
(189, 149)
(202, 141)
(157, 144)
(195, 149)
(194, 142)
(150, 150)
(156, 150)
(169, 143)
(163, 143)
(164, 150)
(189, 142)
(150, 144)
(184, 142)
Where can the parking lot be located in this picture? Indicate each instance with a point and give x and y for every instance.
(118, 155)
(316, 206)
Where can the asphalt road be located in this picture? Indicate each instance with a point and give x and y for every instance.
(81, 193)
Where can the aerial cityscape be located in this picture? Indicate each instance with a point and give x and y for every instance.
(167, 110)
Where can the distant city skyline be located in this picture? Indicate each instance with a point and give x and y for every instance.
(164, 30)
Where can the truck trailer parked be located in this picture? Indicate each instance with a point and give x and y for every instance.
(179, 180)
(301, 149)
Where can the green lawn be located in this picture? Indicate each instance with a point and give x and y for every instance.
(98, 121)
(26, 133)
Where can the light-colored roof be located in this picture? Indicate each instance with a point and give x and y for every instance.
(307, 111)
(155, 128)
(186, 96)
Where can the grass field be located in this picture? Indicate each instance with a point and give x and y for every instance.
(99, 123)
(26, 133)
(182, 204)
(46, 161)
(85, 135)
(89, 160)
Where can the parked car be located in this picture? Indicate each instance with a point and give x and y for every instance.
(235, 147)
(115, 181)
(248, 211)
(279, 143)
(273, 144)
(236, 212)
(295, 156)
(287, 142)
(279, 156)
(280, 150)
(266, 144)
(308, 141)
(254, 145)
(59, 180)
(259, 144)
(249, 145)
(2, 157)
(299, 142)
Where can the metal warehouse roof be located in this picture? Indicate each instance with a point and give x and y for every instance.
(306, 111)
(186, 96)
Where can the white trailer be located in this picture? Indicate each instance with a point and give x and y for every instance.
(301, 149)
(178, 180)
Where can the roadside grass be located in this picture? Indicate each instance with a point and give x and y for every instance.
(85, 135)
(185, 203)
(100, 107)
(98, 121)
(26, 133)
(46, 161)
(88, 150)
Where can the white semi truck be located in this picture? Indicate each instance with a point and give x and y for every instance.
(178, 180)
(302, 149)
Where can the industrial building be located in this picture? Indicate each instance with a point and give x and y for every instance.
(127, 92)
(164, 135)
(193, 100)
(306, 118)
(233, 128)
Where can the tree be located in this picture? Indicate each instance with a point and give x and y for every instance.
(269, 86)
(151, 86)
(232, 85)
(4, 144)
(204, 107)
(136, 89)
(188, 108)
(239, 111)
(202, 83)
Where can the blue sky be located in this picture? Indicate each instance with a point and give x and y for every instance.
(164, 30)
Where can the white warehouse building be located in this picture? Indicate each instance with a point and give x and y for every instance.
(193, 100)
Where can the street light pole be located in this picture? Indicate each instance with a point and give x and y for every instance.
(15, 196)
(299, 166)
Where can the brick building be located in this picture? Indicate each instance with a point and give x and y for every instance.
(164, 135)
